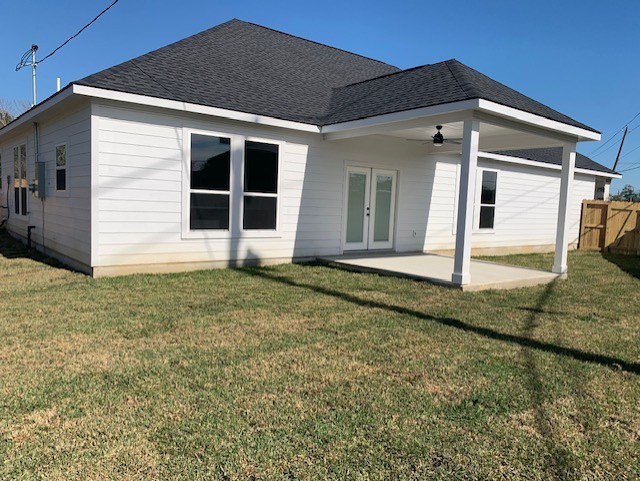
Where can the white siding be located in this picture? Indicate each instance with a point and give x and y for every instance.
(125, 184)
(139, 165)
(527, 200)
(66, 224)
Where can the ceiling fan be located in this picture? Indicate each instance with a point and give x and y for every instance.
(438, 139)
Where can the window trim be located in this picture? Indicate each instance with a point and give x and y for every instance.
(236, 187)
(21, 208)
(186, 220)
(477, 204)
(60, 192)
(260, 232)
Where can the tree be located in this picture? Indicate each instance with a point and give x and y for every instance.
(10, 109)
(627, 194)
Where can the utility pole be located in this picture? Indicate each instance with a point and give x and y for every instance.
(624, 136)
(26, 62)
(34, 49)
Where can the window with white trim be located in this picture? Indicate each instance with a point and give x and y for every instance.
(61, 167)
(210, 189)
(260, 196)
(20, 179)
(487, 211)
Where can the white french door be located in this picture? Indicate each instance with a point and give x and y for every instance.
(369, 208)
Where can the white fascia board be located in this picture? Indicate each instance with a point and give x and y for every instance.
(401, 116)
(193, 108)
(538, 120)
(543, 165)
(37, 110)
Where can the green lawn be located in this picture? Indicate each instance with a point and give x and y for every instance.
(310, 372)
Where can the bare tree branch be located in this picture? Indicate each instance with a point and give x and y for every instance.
(12, 108)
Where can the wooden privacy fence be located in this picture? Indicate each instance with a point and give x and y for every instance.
(610, 226)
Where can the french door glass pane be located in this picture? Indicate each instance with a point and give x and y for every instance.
(384, 184)
(355, 206)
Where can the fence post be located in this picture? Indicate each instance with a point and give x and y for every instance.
(606, 227)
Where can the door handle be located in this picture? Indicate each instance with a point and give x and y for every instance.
(368, 211)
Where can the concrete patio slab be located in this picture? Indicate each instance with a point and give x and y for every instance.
(437, 269)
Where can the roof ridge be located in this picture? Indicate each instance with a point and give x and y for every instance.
(312, 41)
(455, 77)
(388, 75)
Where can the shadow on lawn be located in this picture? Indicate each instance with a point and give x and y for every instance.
(561, 464)
(608, 361)
(11, 248)
(628, 264)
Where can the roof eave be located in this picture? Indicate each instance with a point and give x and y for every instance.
(177, 105)
(33, 112)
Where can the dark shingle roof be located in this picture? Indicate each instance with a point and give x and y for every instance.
(429, 85)
(244, 67)
(553, 155)
(249, 68)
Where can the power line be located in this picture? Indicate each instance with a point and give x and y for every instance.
(79, 31)
(593, 152)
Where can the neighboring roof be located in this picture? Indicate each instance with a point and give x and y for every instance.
(248, 68)
(553, 155)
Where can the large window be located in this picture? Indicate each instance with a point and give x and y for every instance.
(61, 167)
(20, 179)
(260, 201)
(488, 199)
(210, 182)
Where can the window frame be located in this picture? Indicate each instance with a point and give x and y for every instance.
(208, 191)
(478, 204)
(23, 207)
(260, 232)
(236, 186)
(61, 192)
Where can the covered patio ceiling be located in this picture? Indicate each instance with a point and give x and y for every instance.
(474, 126)
(492, 137)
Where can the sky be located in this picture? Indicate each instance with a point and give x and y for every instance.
(580, 57)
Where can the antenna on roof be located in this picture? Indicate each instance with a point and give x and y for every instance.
(29, 60)
(624, 136)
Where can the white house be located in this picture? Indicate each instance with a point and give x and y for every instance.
(245, 145)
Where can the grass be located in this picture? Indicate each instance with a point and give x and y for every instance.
(309, 372)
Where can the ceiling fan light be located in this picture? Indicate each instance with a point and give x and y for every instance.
(438, 138)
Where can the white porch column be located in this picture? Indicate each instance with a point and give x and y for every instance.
(562, 231)
(462, 262)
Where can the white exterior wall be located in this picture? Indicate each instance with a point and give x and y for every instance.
(527, 199)
(139, 160)
(125, 189)
(139, 185)
(66, 225)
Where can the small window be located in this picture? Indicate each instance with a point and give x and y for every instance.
(61, 167)
(20, 179)
(210, 182)
(260, 204)
(488, 199)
